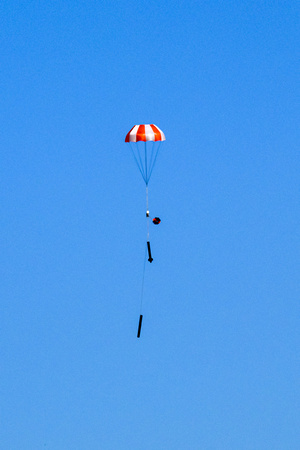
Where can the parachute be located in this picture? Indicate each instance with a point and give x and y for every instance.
(145, 142)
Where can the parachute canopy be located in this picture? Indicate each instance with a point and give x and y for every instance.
(145, 141)
(145, 133)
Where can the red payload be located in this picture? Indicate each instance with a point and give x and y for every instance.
(156, 220)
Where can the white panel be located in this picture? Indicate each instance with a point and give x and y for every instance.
(150, 136)
(132, 136)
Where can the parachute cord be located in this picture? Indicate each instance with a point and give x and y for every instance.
(147, 211)
(140, 166)
(151, 153)
(143, 280)
(151, 169)
(141, 163)
(146, 166)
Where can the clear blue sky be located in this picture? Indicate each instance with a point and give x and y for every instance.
(217, 366)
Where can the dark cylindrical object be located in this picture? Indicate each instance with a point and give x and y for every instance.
(140, 326)
(150, 259)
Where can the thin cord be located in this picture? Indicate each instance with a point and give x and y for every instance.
(154, 160)
(147, 209)
(151, 152)
(141, 163)
(146, 168)
(137, 163)
(143, 280)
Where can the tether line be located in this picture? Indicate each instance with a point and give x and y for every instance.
(143, 282)
(137, 163)
(154, 160)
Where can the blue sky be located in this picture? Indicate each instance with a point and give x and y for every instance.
(217, 365)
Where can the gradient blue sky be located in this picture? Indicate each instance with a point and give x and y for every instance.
(217, 366)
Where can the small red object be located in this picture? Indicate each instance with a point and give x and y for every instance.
(156, 220)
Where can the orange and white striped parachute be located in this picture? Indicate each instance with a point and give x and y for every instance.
(145, 142)
(145, 133)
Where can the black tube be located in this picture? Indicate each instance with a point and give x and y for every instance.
(140, 326)
(150, 259)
